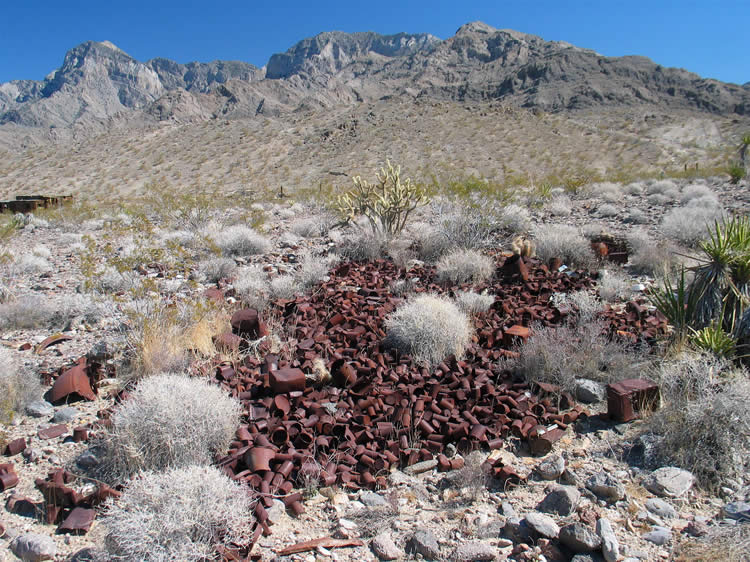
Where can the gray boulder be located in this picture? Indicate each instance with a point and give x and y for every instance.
(606, 486)
(579, 538)
(33, 548)
(384, 547)
(610, 545)
(589, 392)
(562, 500)
(424, 542)
(739, 511)
(659, 507)
(543, 525)
(669, 481)
(551, 468)
(658, 535)
(39, 409)
(475, 550)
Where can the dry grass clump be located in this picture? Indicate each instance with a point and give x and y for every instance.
(240, 240)
(318, 225)
(468, 228)
(514, 219)
(169, 421)
(462, 266)
(606, 191)
(633, 188)
(25, 313)
(31, 264)
(703, 425)
(429, 243)
(636, 216)
(729, 543)
(651, 257)
(182, 514)
(213, 270)
(662, 187)
(361, 245)
(41, 251)
(474, 303)
(564, 242)
(111, 280)
(314, 269)
(284, 287)
(613, 285)
(607, 210)
(252, 287)
(18, 387)
(559, 206)
(696, 191)
(690, 224)
(429, 328)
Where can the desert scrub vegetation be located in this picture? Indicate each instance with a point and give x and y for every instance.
(702, 425)
(252, 287)
(180, 514)
(564, 242)
(169, 421)
(240, 240)
(472, 302)
(18, 387)
(213, 270)
(462, 266)
(689, 224)
(385, 204)
(657, 258)
(429, 328)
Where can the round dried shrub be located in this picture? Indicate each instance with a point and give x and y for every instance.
(170, 421)
(18, 387)
(182, 514)
(462, 266)
(429, 328)
(241, 240)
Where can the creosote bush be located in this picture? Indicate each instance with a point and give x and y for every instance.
(429, 328)
(462, 266)
(170, 421)
(181, 514)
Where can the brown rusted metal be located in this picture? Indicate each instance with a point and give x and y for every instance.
(287, 380)
(14, 447)
(626, 398)
(73, 383)
(54, 339)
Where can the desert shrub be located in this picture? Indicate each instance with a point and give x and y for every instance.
(428, 242)
(359, 245)
(730, 543)
(695, 191)
(315, 226)
(633, 188)
(607, 210)
(650, 257)
(313, 270)
(170, 421)
(284, 287)
(690, 224)
(736, 172)
(385, 204)
(462, 266)
(111, 280)
(240, 240)
(514, 219)
(474, 303)
(429, 328)
(211, 271)
(252, 287)
(182, 514)
(18, 387)
(31, 264)
(659, 199)
(636, 216)
(25, 313)
(180, 237)
(708, 435)
(41, 251)
(662, 187)
(564, 242)
(606, 191)
(613, 285)
(560, 206)
(468, 228)
(89, 309)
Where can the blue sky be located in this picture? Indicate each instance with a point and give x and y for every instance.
(706, 37)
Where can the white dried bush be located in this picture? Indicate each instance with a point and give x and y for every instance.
(89, 309)
(67, 239)
(695, 191)
(607, 210)
(111, 280)
(659, 200)
(474, 303)
(462, 266)
(240, 240)
(429, 242)
(31, 264)
(429, 328)
(468, 228)
(651, 257)
(284, 287)
(182, 514)
(41, 251)
(359, 245)
(180, 237)
(636, 216)
(634, 188)
(560, 206)
(314, 269)
(709, 435)
(613, 285)
(212, 270)
(564, 242)
(690, 224)
(169, 421)
(606, 191)
(514, 219)
(37, 222)
(688, 376)
(18, 387)
(584, 305)
(704, 201)
(306, 228)
(662, 187)
(25, 313)
(252, 287)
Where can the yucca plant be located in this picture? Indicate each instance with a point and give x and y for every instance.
(678, 304)
(714, 339)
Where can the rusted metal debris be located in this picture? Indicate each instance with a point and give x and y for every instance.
(73, 382)
(8, 476)
(54, 339)
(325, 542)
(30, 203)
(627, 398)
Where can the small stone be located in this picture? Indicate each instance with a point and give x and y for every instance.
(32, 548)
(347, 524)
(562, 500)
(551, 467)
(589, 392)
(669, 481)
(543, 525)
(424, 542)
(490, 530)
(610, 545)
(384, 547)
(31, 454)
(66, 414)
(517, 530)
(604, 485)
(371, 499)
(737, 510)
(87, 460)
(276, 512)
(579, 538)
(586, 557)
(507, 510)
(661, 508)
(420, 467)
(40, 409)
(474, 550)
(697, 528)
(658, 535)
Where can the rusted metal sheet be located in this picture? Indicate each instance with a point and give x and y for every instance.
(626, 398)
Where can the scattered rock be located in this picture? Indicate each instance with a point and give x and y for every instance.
(610, 545)
(475, 550)
(739, 511)
(697, 528)
(40, 409)
(604, 485)
(661, 508)
(669, 481)
(658, 535)
(371, 499)
(424, 542)
(66, 414)
(507, 510)
(579, 538)
(32, 548)
(384, 547)
(551, 467)
(517, 530)
(543, 525)
(589, 392)
(562, 500)
(421, 467)
(87, 460)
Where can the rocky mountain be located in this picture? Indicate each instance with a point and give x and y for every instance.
(99, 86)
